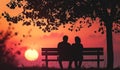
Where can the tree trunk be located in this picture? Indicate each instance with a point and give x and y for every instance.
(110, 53)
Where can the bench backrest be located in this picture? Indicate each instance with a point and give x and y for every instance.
(86, 51)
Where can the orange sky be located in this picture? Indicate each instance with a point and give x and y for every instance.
(40, 39)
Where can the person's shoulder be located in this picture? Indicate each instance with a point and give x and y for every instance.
(81, 45)
(60, 42)
(68, 43)
(73, 44)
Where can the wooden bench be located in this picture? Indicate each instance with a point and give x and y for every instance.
(86, 52)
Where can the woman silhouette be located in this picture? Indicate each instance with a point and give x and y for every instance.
(77, 52)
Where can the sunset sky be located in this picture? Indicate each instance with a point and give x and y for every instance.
(36, 39)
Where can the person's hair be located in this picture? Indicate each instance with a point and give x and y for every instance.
(65, 38)
(77, 39)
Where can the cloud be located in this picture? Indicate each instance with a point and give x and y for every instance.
(52, 36)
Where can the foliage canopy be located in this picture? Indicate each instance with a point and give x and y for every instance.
(50, 14)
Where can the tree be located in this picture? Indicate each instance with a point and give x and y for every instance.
(48, 15)
(7, 58)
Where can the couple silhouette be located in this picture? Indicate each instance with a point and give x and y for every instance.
(70, 52)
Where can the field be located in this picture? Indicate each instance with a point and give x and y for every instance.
(37, 68)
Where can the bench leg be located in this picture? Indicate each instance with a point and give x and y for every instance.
(98, 64)
(46, 58)
(46, 64)
(98, 61)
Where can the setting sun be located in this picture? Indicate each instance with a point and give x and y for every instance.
(31, 54)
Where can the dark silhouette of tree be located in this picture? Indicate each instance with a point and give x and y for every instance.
(7, 58)
(48, 15)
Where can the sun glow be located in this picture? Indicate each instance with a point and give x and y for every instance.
(31, 54)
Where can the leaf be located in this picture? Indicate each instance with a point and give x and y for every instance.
(26, 23)
(10, 24)
(63, 26)
(16, 33)
(95, 32)
(102, 32)
(101, 24)
(89, 25)
(20, 40)
(18, 52)
(23, 35)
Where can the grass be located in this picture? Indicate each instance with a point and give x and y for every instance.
(44, 68)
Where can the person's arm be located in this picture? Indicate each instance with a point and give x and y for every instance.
(58, 46)
(82, 46)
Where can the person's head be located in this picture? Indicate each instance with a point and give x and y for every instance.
(77, 39)
(65, 38)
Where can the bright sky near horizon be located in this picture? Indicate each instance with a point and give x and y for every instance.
(40, 39)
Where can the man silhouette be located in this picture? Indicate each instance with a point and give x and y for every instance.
(64, 47)
(77, 52)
